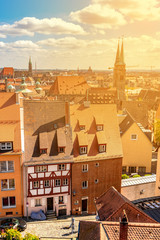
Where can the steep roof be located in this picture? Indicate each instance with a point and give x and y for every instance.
(110, 206)
(44, 126)
(110, 134)
(127, 123)
(10, 120)
(69, 85)
(138, 110)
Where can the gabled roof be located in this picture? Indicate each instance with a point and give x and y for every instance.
(110, 206)
(108, 112)
(138, 110)
(46, 120)
(127, 123)
(69, 85)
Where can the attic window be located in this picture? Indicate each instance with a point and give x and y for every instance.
(83, 149)
(102, 148)
(43, 151)
(82, 127)
(100, 127)
(61, 149)
(134, 136)
(5, 146)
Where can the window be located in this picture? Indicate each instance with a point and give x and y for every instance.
(65, 181)
(46, 183)
(61, 200)
(43, 151)
(41, 169)
(97, 164)
(102, 148)
(61, 149)
(124, 169)
(5, 146)
(134, 137)
(83, 150)
(132, 169)
(7, 184)
(38, 202)
(85, 184)
(142, 169)
(8, 202)
(58, 182)
(36, 184)
(85, 168)
(6, 166)
(61, 167)
(96, 181)
(82, 127)
(99, 127)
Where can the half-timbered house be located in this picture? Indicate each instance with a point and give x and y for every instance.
(48, 157)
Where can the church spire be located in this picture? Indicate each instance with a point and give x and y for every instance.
(122, 54)
(117, 55)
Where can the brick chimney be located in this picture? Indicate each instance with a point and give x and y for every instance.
(124, 227)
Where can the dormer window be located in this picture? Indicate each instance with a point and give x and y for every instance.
(61, 149)
(43, 151)
(100, 127)
(83, 150)
(82, 127)
(102, 148)
(5, 146)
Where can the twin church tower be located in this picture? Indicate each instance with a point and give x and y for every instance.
(119, 73)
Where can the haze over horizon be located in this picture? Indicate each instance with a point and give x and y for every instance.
(71, 34)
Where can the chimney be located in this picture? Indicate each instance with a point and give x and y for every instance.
(124, 227)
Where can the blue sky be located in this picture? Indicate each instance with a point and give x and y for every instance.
(79, 33)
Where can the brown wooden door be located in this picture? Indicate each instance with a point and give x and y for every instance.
(50, 204)
(84, 205)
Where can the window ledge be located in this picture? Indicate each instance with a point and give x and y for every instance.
(14, 206)
(9, 189)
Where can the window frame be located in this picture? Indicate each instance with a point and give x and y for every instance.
(134, 139)
(6, 146)
(84, 167)
(8, 185)
(84, 148)
(42, 168)
(7, 166)
(61, 201)
(61, 167)
(9, 202)
(35, 187)
(103, 146)
(57, 180)
(99, 127)
(84, 184)
(65, 181)
(46, 185)
(40, 202)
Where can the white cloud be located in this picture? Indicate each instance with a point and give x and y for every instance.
(31, 25)
(101, 16)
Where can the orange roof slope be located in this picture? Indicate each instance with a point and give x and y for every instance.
(110, 206)
(69, 85)
(10, 119)
(90, 136)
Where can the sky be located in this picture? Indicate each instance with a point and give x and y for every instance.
(71, 34)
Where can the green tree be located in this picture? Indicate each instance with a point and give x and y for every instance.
(29, 236)
(12, 234)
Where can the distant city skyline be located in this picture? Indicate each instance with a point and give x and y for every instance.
(70, 34)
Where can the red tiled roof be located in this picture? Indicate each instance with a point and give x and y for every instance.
(110, 206)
